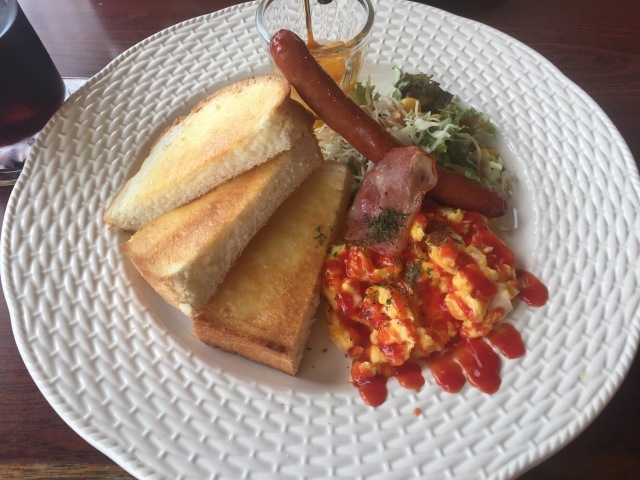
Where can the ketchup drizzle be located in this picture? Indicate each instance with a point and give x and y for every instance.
(409, 375)
(480, 363)
(468, 359)
(373, 390)
(507, 340)
(532, 291)
(446, 371)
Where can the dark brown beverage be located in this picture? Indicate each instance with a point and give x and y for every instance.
(31, 89)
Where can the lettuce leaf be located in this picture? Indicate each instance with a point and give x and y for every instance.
(420, 86)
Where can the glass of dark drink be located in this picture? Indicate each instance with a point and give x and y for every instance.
(31, 89)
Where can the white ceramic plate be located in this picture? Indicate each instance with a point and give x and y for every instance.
(123, 370)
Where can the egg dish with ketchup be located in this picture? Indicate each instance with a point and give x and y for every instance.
(454, 278)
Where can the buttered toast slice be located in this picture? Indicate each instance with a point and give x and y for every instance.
(237, 128)
(184, 254)
(264, 308)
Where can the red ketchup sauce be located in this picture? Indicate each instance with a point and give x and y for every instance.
(446, 371)
(507, 340)
(468, 359)
(532, 291)
(373, 390)
(409, 375)
(480, 363)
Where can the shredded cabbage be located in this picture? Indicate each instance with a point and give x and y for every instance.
(453, 135)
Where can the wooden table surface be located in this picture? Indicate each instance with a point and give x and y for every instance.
(596, 44)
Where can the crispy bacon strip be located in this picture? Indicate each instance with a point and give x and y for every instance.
(390, 196)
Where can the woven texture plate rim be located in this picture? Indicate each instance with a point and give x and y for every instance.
(102, 356)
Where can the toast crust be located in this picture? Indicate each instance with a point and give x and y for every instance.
(265, 307)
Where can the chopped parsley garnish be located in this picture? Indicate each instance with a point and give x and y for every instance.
(320, 236)
(384, 227)
(412, 273)
(440, 232)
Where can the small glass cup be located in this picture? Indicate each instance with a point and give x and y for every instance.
(336, 31)
(31, 89)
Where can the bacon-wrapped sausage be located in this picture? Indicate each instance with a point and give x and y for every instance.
(292, 56)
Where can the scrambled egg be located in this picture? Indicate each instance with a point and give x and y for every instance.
(455, 277)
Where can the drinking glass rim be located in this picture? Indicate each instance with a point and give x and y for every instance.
(357, 39)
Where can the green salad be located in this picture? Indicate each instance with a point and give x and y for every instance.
(419, 112)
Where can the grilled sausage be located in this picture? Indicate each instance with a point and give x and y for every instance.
(344, 116)
(454, 190)
(328, 101)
